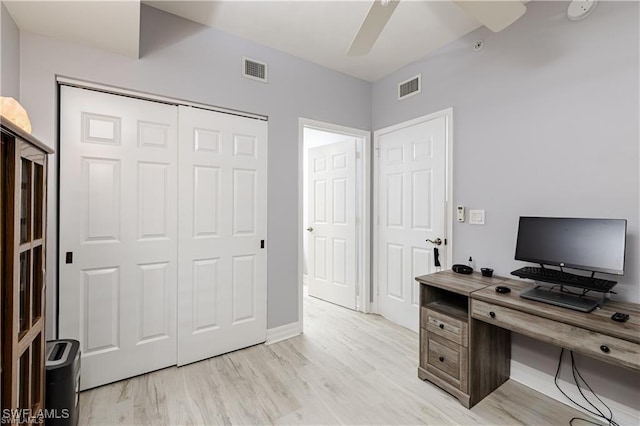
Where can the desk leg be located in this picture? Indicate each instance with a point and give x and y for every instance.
(489, 359)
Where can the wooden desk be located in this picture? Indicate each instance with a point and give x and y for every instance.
(484, 318)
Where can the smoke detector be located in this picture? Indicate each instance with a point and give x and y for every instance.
(580, 9)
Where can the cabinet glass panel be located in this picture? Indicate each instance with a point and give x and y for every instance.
(38, 281)
(38, 199)
(36, 371)
(25, 202)
(23, 381)
(25, 278)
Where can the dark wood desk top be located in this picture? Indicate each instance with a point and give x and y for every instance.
(598, 320)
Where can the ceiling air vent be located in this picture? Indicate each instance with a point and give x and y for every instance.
(409, 87)
(254, 70)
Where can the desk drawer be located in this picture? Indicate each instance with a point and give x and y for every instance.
(445, 326)
(446, 360)
(593, 344)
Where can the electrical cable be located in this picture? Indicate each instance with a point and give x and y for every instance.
(557, 377)
(576, 374)
(575, 371)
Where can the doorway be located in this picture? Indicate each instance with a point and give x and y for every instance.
(334, 211)
(413, 210)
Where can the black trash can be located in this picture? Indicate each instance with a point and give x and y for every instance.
(63, 382)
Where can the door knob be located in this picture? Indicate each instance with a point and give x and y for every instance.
(437, 241)
(310, 229)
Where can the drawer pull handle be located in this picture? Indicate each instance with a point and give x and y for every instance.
(492, 314)
(605, 349)
(441, 358)
(441, 326)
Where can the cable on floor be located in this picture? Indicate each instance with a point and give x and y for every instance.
(577, 377)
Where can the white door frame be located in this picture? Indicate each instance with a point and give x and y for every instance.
(365, 208)
(448, 115)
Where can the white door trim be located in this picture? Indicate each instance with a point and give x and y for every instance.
(448, 115)
(365, 207)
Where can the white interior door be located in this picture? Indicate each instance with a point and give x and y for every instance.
(332, 223)
(222, 287)
(118, 233)
(411, 209)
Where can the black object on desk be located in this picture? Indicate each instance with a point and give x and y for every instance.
(486, 272)
(462, 269)
(620, 317)
(554, 276)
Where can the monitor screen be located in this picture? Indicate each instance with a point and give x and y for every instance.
(596, 245)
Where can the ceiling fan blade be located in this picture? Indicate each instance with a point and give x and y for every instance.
(371, 27)
(495, 15)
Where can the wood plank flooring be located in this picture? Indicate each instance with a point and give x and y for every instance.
(347, 368)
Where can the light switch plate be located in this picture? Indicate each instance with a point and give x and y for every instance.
(476, 217)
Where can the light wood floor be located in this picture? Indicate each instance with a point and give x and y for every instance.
(347, 368)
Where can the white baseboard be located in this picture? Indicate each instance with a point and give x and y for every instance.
(283, 332)
(544, 383)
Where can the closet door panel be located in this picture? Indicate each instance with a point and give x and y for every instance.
(118, 233)
(222, 211)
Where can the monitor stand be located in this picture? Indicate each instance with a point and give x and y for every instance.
(566, 300)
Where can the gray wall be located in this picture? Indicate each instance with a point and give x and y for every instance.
(546, 122)
(187, 61)
(9, 55)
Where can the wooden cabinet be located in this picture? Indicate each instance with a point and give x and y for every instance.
(23, 167)
(465, 357)
(465, 327)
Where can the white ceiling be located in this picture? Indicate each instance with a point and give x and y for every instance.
(319, 31)
(110, 25)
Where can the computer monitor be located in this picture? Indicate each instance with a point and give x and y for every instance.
(596, 245)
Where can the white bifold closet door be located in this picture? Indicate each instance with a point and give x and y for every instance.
(222, 292)
(162, 214)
